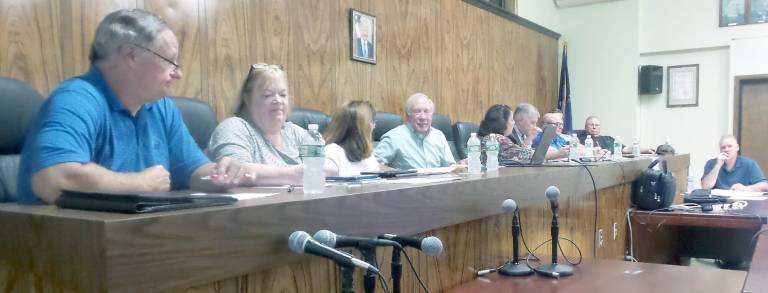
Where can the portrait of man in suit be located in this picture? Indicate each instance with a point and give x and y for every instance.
(363, 37)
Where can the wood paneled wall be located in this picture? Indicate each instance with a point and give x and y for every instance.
(464, 57)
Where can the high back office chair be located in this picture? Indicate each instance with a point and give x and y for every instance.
(385, 121)
(304, 117)
(198, 117)
(19, 104)
(461, 133)
(443, 123)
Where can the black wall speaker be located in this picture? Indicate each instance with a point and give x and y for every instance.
(649, 80)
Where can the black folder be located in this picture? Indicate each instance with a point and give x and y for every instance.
(139, 203)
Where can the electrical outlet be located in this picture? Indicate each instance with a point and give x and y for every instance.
(600, 238)
(615, 230)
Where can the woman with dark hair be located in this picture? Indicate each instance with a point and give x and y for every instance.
(498, 120)
(349, 139)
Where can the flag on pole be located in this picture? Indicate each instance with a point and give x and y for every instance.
(564, 93)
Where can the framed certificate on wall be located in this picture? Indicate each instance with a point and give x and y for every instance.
(683, 86)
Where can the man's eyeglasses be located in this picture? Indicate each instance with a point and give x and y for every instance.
(558, 124)
(176, 66)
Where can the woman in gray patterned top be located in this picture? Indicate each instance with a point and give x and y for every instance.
(259, 135)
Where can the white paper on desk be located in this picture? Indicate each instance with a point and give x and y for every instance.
(246, 196)
(737, 197)
(740, 194)
(440, 170)
(422, 180)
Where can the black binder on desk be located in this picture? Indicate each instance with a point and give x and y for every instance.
(139, 203)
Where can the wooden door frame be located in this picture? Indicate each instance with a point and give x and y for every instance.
(738, 101)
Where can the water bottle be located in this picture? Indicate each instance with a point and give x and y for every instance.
(617, 148)
(692, 183)
(473, 153)
(312, 153)
(636, 147)
(492, 154)
(574, 149)
(589, 145)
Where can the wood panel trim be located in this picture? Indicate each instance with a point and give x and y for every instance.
(514, 18)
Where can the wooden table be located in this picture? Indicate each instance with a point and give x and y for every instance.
(243, 247)
(664, 237)
(610, 276)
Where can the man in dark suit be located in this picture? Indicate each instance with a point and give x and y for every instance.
(363, 40)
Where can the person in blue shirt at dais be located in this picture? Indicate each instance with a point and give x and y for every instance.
(113, 129)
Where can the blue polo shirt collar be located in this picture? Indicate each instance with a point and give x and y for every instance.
(95, 77)
(736, 166)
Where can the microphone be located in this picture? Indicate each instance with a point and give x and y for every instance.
(553, 193)
(554, 270)
(301, 242)
(431, 245)
(334, 240)
(514, 268)
(509, 205)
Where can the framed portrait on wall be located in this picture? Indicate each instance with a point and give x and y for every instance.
(758, 11)
(362, 36)
(733, 12)
(683, 86)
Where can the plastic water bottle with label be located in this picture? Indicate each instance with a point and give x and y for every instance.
(636, 147)
(574, 149)
(589, 145)
(492, 153)
(617, 148)
(312, 153)
(473, 154)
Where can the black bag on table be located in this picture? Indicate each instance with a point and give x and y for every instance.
(654, 189)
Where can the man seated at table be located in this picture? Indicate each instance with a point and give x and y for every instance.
(415, 144)
(592, 128)
(731, 171)
(559, 147)
(526, 116)
(113, 129)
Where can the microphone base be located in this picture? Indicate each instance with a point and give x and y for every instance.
(515, 270)
(554, 270)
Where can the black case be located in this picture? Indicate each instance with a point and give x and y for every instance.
(654, 189)
(137, 203)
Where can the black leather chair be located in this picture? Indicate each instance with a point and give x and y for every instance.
(461, 133)
(304, 117)
(19, 105)
(199, 118)
(385, 121)
(443, 123)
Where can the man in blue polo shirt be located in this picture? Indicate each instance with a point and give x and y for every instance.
(113, 129)
(731, 171)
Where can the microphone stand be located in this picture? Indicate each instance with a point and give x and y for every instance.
(369, 255)
(347, 279)
(554, 269)
(515, 268)
(397, 270)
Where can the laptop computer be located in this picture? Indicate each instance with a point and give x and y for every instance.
(539, 154)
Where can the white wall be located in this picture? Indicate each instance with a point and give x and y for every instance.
(671, 33)
(542, 12)
(602, 61)
(607, 41)
(691, 130)
(667, 25)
